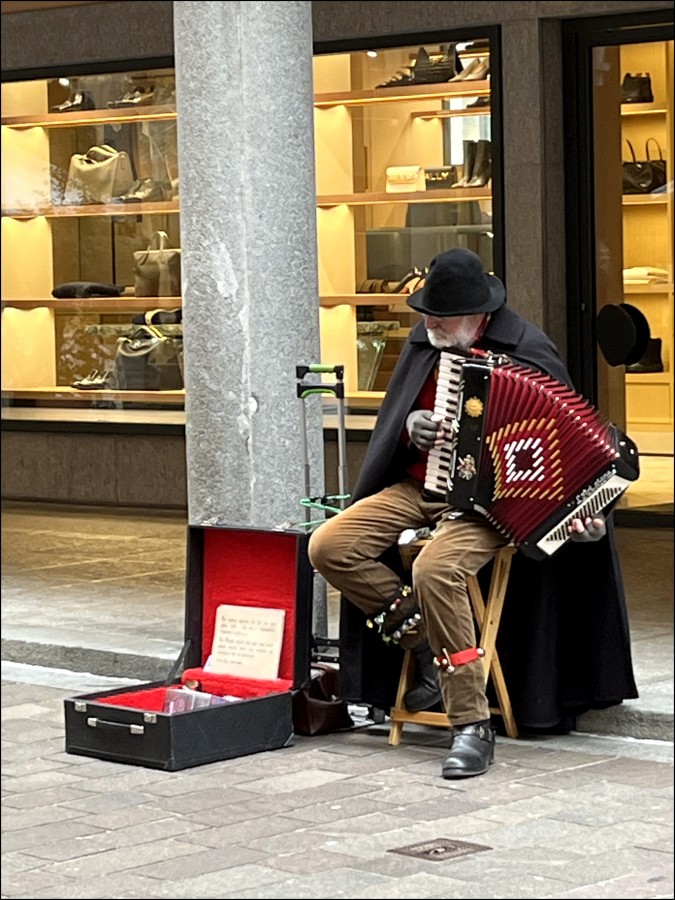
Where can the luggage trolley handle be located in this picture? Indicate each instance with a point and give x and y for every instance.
(307, 389)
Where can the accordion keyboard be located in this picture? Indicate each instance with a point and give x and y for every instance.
(446, 405)
(599, 500)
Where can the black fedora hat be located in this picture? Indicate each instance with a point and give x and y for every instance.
(623, 333)
(458, 285)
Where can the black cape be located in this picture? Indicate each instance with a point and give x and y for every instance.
(564, 641)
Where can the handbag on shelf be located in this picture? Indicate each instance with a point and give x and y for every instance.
(157, 271)
(658, 163)
(645, 175)
(98, 176)
(442, 177)
(637, 88)
(404, 179)
(317, 708)
(148, 360)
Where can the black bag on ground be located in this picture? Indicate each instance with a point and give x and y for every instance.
(317, 708)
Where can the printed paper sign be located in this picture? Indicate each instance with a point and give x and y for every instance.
(247, 641)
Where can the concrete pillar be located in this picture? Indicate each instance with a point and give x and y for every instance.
(248, 236)
(533, 174)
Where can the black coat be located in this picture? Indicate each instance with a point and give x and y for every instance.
(563, 641)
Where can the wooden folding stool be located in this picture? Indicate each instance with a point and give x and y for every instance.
(488, 616)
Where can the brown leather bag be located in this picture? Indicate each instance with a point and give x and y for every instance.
(317, 708)
(98, 176)
(157, 270)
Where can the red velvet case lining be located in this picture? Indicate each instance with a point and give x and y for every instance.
(152, 699)
(242, 568)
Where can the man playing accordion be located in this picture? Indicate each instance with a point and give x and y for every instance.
(563, 643)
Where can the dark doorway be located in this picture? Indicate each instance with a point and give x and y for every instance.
(619, 94)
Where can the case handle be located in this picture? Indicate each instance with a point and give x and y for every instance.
(104, 725)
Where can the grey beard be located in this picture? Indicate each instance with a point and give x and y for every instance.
(443, 343)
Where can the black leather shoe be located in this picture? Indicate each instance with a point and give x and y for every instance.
(96, 380)
(402, 78)
(145, 190)
(75, 103)
(138, 96)
(472, 751)
(426, 690)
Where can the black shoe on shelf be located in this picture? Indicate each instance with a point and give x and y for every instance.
(96, 380)
(144, 190)
(478, 103)
(472, 751)
(77, 102)
(480, 44)
(408, 284)
(426, 70)
(401, 78)
(138, 96)
(434, 71)
(650, 361)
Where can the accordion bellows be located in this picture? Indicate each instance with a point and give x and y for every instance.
(530, 453)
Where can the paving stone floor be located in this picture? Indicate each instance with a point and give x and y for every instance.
(103, 591)
(574, 816)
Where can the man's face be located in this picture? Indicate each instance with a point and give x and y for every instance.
(457, 332)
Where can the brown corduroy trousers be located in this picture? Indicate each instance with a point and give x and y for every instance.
(346, 551)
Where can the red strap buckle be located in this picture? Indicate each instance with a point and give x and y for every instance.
(449, 661)
(466, 656)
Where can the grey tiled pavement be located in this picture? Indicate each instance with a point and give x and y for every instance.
(103, 591)
(574, 816)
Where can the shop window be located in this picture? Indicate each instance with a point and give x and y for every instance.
(89, 183)
(404, 164)
(646, 72)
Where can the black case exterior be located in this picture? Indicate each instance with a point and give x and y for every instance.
(171, 742)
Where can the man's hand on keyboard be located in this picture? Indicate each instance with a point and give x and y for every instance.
(424, 428)
(592, 528)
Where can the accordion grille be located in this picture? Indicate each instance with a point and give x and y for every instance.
(591, 506)
(545, 443)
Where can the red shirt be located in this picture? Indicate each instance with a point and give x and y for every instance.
(426, 400)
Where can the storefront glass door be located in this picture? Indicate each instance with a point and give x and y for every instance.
(632, 146)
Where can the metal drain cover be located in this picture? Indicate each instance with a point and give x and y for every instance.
(440, 849)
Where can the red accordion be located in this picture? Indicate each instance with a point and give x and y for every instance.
(530, 453)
